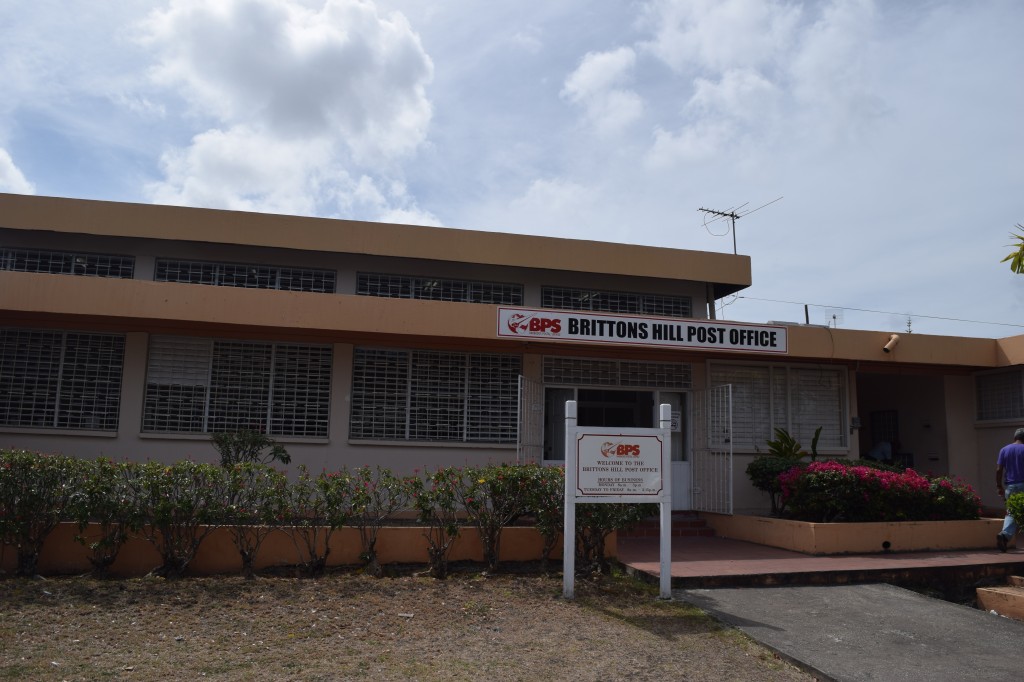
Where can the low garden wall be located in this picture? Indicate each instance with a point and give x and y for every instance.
(62, 555)
(857, 538)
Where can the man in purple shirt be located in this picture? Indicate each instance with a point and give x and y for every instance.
(1010, 472)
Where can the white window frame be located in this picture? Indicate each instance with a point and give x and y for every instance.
(999, 401)
(289, 396)
(438, 289)
(258, 276)
(62, 388)
(19, 259)
(427, 396)
(755, 423)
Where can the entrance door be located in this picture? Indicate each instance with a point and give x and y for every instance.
(612, 408)
(624, 409)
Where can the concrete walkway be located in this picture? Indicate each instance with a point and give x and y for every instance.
(871, 632)
(807, 609)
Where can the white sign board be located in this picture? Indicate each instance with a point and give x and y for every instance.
(620, 465)
(632, 330)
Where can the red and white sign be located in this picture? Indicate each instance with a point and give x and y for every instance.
(557, 325)
(619, 464)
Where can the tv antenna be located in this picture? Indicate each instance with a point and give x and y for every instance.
(733, 214)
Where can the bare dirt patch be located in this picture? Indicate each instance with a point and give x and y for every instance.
(472, 626)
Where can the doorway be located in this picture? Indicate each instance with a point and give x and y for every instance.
(627, 409)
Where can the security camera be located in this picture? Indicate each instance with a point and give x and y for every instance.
(893, 340)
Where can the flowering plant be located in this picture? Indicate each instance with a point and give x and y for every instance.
(435, 498)
(833, 491)
(317, 507)
(493, 497)
(377, 495)
(256, 500)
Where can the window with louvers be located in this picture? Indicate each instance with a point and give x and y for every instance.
(67, 263)
(60, 380)
(434, 289)
(595, 300)
(796, 398)
(1000, 395)
(434, 396)
(197, 385)
(246, 276)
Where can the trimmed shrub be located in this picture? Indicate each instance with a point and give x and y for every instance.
(377, 495)
(246, 445)
(493, 497)
(179, 505)
(1015, 508)
(436, 500)
(106, 509)
(256, 500)
(595, 522)
(318, 507)
(546, 501)
(36, 493)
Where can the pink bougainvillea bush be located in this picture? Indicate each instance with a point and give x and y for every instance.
(834, 491)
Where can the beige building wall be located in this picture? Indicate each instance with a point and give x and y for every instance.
(928, 378)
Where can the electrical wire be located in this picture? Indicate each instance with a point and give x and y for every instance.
(883, 312)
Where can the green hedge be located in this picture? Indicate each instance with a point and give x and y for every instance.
(175, 506)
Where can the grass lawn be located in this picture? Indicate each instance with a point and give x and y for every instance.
(506, 626)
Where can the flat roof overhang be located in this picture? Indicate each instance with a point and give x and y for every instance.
(64, 301)
(728, 273)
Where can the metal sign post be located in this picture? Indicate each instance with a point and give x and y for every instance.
(617, 465)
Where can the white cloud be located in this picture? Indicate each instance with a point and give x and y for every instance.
(302, 95)
(242, 168)
(765, 74)
(246, 169)
(595, 84)
(698, 142)
(339, 71)
(598, 72)
(720, 34)
(740, 93)
(832, 66)
(11, 178)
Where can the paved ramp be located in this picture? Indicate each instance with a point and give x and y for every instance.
(872, 632)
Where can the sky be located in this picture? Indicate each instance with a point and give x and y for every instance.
(880, 142)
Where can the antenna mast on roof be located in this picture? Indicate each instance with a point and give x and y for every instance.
(733, 215)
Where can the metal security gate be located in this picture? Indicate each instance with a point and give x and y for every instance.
(530, 436)
(712, 450)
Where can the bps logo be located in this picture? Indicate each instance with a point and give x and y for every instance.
(531, 324)
(620, 450)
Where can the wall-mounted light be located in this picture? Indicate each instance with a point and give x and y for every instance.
(893, 340)
(854, 424)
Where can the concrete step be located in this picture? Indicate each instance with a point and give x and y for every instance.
(1006, 600)
(685, 524)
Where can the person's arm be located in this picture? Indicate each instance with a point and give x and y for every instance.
(999, 479)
